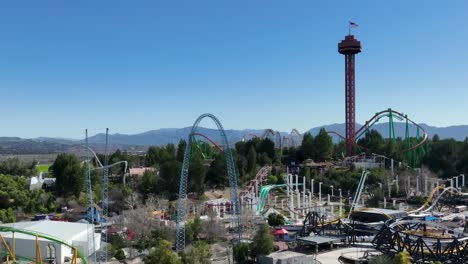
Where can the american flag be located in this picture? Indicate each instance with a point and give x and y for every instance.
(353, 25)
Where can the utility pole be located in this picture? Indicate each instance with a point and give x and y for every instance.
(90, 209)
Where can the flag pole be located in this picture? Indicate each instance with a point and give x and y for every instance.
(349, 28)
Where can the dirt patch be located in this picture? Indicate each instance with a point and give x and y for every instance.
(217, 194)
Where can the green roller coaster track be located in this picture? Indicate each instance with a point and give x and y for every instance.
(264, 194)
(6, 229)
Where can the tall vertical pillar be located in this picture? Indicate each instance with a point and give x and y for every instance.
(340, 214)
(303, 190)
(312, 187)
(349, 47)
(297, 182)
(320, 193)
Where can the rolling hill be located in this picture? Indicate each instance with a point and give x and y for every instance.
(48, 145)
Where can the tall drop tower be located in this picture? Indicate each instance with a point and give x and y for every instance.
(349, 47)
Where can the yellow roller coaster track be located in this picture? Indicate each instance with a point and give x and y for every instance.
(11, 256)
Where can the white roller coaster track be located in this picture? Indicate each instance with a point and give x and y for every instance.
(434, 203)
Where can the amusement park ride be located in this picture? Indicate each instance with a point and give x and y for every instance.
(418, 238)
(300, 204)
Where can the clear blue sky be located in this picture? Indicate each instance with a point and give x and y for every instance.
(133, 66)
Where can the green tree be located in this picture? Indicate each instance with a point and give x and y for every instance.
(372, 141)
(251, 159)
(147, 241)
(272, 179)
(241, 253)
(376, 196)
(197, 227)
(323, 146)
(263, 159)
(162, 253)
(381, 259)
(181, 150)
(16, 167)
(193, 230)
(267, 146)
(198, 253)
(158, 155)
(402, 258)
(119, 255)
(169, 174)
(217, 174)
(69, 175)
(263, 241)
(197, 174)
(275, 219)
(442, 157)
(308, 146)
(7, 216)
(148, 183)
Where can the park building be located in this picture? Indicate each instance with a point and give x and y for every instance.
(65, 236)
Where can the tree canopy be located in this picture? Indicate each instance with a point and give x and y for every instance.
(69, 174)
(263, 241)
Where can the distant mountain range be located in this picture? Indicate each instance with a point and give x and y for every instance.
(455, 132)
(47, 145)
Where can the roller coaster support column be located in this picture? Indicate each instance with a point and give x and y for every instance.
(298, 193)
(256, 191)
(426, 191)
(90, 210)
(463, 179)
(105, 197)
(291, 196)
(304, 190)
(287, 185)
(297, 182)
(320, 193)
(38, 251)
(418, 178)
(7, 248)
(456, 182)
(312, 187)
(340, 213)
(397, 184)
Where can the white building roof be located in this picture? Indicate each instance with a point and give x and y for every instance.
(65, 231)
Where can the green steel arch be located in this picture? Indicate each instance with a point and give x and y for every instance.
(231, 170)
(6, 229)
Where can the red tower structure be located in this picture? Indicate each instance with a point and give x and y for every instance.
(349, 47)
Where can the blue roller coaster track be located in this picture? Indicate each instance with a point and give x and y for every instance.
(231, 170)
